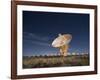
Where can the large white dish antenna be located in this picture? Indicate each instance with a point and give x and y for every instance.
(62, 40)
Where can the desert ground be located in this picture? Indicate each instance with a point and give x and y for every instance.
(55, 61)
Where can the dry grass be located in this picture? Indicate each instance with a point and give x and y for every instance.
(55, 61)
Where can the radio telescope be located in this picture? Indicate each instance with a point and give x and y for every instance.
(62, 42)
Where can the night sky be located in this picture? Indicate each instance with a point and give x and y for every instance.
(41, 28)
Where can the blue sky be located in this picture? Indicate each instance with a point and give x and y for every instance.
(41, 28)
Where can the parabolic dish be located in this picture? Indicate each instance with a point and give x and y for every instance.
(62, 40)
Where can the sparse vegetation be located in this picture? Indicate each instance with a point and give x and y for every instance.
(55, 61)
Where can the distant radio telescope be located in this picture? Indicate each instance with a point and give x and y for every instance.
(62, 42)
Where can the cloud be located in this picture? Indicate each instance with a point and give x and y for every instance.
(41, 43)
(36, 39)
(36, 36)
